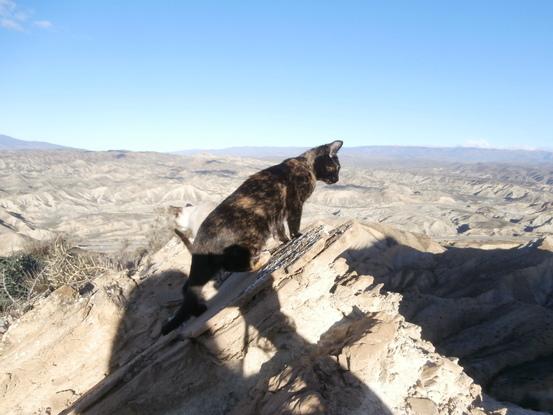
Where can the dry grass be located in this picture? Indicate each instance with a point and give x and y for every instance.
(66, 265)
(44, 267)
(127, 258)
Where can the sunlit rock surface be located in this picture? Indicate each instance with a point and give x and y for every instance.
(348, 319)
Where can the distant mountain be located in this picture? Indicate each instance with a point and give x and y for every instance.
(397, 153)
(255, 152)
(450, 154)
(10, 143)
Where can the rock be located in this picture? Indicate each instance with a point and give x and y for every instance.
(422, 406)
(355, 319)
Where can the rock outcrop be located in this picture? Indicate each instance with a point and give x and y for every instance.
(355, 319)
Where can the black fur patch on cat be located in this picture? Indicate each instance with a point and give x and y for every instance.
(233, 234)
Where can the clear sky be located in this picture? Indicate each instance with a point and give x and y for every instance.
(173, 75)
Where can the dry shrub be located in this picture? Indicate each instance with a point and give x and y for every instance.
(127, 258)
(66, 265)
(44, 267)
(47, 265)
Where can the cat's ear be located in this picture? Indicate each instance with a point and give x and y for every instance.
(334, 147)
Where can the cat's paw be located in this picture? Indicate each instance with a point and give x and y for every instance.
(261, 261)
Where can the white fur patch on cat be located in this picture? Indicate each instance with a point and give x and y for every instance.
(189, 218)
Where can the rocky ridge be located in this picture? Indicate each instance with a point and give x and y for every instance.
(352, 319)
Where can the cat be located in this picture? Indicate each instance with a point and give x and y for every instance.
(187, 219)
(232, 236)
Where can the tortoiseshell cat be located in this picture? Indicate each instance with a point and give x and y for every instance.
(233, 234)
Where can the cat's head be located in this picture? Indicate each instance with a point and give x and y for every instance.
(326, 165)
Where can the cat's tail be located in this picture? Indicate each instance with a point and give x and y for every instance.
(184, 239)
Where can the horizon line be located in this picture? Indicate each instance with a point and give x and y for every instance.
(458, 146)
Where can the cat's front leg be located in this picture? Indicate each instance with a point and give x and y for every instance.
(281, 233)
(294, 220)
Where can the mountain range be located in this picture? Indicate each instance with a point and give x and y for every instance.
(407, 153)
(380, 153)
(10, 143)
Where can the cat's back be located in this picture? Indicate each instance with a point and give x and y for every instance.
(251, 211)
(243, 221)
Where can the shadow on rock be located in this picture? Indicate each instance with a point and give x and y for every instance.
(492, 309)
(145, 309)
(265, 366)
(306, 378)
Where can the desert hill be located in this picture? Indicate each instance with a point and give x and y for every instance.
(350, 318)
(10, 143)
(115, 199)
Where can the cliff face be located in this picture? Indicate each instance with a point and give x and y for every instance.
(355, 319)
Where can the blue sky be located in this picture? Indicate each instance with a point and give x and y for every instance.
(172, 75)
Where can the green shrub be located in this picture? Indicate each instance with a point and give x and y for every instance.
(15, 273)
